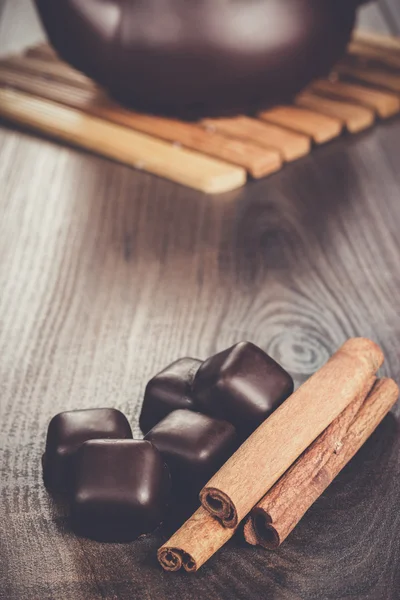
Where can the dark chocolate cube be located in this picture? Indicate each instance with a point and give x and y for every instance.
(242, 385)
(122, 490)
(169, 390)
(194, 446)
(67, 431)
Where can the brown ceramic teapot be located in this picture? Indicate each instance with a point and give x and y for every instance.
(200, 57)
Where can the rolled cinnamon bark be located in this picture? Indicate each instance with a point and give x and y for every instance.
(271, 450)
(202, 535)
(275, 516)
(194, 543)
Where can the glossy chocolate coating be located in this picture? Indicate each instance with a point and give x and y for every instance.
(122, 490)
(194, 446)
(242, 385)
(169, 390)
(204, 57)
(67, 431)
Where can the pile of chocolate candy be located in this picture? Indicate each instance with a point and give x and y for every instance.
(194, 417)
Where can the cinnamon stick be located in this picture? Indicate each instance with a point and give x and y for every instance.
(271, 450)
(202, 535)
(275, 516)
(194, 543)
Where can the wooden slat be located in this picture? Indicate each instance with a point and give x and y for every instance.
(65, 93)
(374, 54)
(44, 51)
(257, 145)
(258, 161)
(290, 145)
(120, 143)
(385, 104)
(320, 127)
(372, 75)
(54, 71)
(356, 118)
(371, 38)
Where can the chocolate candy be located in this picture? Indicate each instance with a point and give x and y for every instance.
(67, 431)
(121, 490)
(194, 446)
(200, 57)
(168, 391)
(242, 385)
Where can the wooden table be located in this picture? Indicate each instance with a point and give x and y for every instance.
(108, 274)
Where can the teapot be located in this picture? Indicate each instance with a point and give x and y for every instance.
(193, 58)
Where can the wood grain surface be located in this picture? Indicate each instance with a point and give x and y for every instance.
(107, 274)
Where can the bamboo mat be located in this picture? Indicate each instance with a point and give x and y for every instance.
(44, 94)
